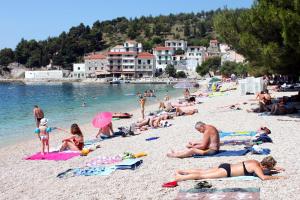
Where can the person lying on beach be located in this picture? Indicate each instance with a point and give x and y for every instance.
(282, 108)
(209, 145)
(199, 94)
(106, 131)
(43, 133)
(152, 122)
(246, 168)
(75, 142)
(182, 111)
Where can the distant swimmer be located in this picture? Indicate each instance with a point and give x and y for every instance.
(38, 115)
(83, 104)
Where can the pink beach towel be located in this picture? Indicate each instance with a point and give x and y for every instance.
(53, 156)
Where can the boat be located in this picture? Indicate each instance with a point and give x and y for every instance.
(115, 81)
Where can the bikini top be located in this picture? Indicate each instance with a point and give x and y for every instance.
(246, 173)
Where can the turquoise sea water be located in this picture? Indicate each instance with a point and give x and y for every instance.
(62, 104)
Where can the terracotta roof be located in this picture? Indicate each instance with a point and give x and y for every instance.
(131, 41)
(145, 55)
(214, 41)
(95, 57)
(162, 48)
(122, 53)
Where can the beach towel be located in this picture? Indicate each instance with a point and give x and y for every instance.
(259, 150)
(226, 193)
(236, 142)
(237, 133)
(237, 178)
(103, 160)
(53, 156)
(87, 171)
(225, 153)
(129, 164)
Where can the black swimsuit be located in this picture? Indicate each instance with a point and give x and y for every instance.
(227, 168)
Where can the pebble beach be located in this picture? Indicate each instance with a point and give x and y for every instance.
(25, 179)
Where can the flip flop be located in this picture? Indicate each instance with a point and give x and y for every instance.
(170, 184)
(202, 184)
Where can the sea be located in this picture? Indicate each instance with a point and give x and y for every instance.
(62, 104)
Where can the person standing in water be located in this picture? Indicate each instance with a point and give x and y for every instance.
(142, 104)
(38, 115)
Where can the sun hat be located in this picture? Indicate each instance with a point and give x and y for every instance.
(44, 122)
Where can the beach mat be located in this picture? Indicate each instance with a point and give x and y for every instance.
(87, 171)
(227, 193)
(53, 156)
(225, 153)
(236, 178)
(239, 142)
(237, 133)
(129, 164)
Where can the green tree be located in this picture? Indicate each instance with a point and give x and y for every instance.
(7, 56)
(267, 35)
(187, 29)
(170, 70)
(180, 74)
(211, 64)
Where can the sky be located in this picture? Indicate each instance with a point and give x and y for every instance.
(39, 19)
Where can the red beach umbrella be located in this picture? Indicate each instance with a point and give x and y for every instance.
(102, 119)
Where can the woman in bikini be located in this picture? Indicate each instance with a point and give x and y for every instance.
(246, 168)
(75, 142)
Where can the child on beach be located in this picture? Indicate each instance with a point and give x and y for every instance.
(43, 133)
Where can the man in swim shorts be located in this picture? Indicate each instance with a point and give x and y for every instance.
(38, 115)
(209, 145)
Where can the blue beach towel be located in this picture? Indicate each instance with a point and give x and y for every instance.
(225, 153)
(87, 171)
(151, 138)
(242, 133)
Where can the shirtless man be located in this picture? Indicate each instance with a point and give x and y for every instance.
(209, 145)
(38, 115)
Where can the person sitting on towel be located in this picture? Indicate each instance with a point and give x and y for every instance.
(246, 168)
(209, 145)
(106, 131)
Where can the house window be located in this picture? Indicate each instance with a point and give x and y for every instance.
(78, 68)
(131, 67)
(159, 57)
(101, 68)
(148, 61)
(166, 57)
(139, 67)
(96, 68)
(144, 67)
(89, 68)
(139, 61)
(150, 67)
(167, 51)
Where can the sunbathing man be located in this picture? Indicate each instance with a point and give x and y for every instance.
(209, 145)
(182, 111)
(246, 168)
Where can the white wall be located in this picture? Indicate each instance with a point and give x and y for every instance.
(52, 74)
(79, 67)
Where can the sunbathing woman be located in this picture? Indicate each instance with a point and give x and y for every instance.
(181, 112)
(75, 142)
(246, 168)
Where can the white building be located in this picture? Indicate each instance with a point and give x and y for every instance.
(118, 48)
(145, 65)
(224, 48)
(163, 56)
(232, 56)
(213, 49)
(131, 45)
(79, 70)
(176, 44)
(51, 74)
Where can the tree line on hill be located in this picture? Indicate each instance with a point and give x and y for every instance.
(70, 46)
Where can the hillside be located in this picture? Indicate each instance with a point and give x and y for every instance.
(69, 47)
